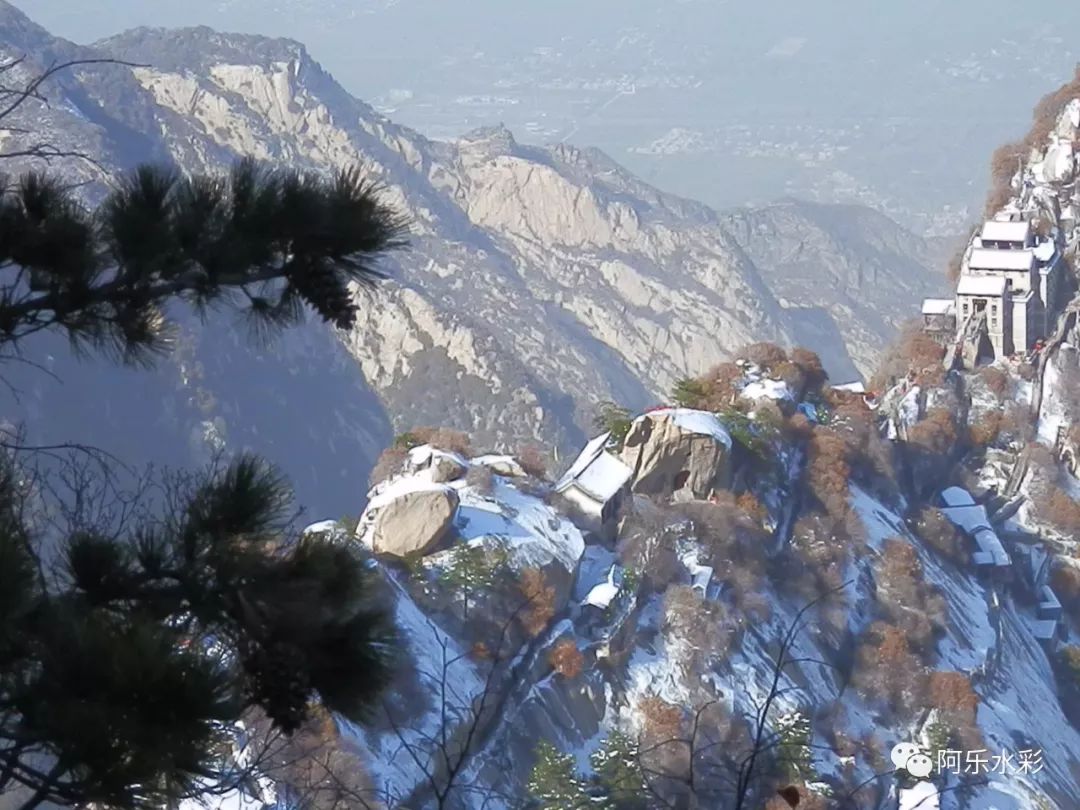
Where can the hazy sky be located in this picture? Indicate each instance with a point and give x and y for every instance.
(894, 104)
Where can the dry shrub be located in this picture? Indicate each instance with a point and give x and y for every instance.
(956, 261)
(1016, 424)
(997, 199)
(914, 350)
(806, 799)
(952, 692)
(887, 669)
(646, 544)
(931, 376)
(910, 603)
(996, 380)
(391, 461)
(768, 414)
(701, 623)
(820, 548)
(719, 385)
(828, 472)
(452, 441)
(985, 432)
(811, 366)
(766, 355)
(539, 601)
(733, 543)
(936, 432)
(533, 461)
(792, 375)
(957, 703)
(798, 428)
(660, 720)
(481, 479)
(1060, 510)
(315, 761)
(938, 532)
(1065, 581)
(1004, 163)
(566, 659)
(752, 507)
(1049, 109)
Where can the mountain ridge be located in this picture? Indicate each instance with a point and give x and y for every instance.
(539, 280)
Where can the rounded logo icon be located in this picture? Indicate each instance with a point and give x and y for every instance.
(901, 753)
(919, 765)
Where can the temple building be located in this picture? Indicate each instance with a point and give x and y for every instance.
(1007, 288)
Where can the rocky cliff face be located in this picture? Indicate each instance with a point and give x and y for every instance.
(853, 263)
(939, 537)
(539, 281)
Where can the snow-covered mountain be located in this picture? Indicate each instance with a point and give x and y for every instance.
(539, 281)
(877, 595)
(649, 590)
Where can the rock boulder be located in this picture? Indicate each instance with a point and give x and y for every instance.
(415, 523)
(446, 468)
(667, 456)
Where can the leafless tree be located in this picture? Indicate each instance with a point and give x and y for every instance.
(706, 767)
(444, 756)
(16, 91)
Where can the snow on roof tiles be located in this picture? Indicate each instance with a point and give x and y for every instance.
(997, 231)
(956, 496)
(604, 476)
(938, 306)
(852, 387)
(602, 594)
(968, 518)
(988, 542)
(990, 259)
(981, 285)
(596, 471)
(591, 450)
(1044, 251)
(1047, 598)
(1044, 630)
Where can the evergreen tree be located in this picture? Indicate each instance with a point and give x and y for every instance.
(689, 393)
(473, 568)
(129, 650)
(618, 769)
(937, 737)
(615, 419)
(793, 747)
(123, 673)
(553, 782)
(273, 239)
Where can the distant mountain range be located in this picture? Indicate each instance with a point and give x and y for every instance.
(539, 281)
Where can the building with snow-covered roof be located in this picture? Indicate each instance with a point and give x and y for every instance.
(1049, 606)
(1010, 277)
(956, 496)
(857, 387)
(939, 315)
(596, 484)
(1007, 234)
